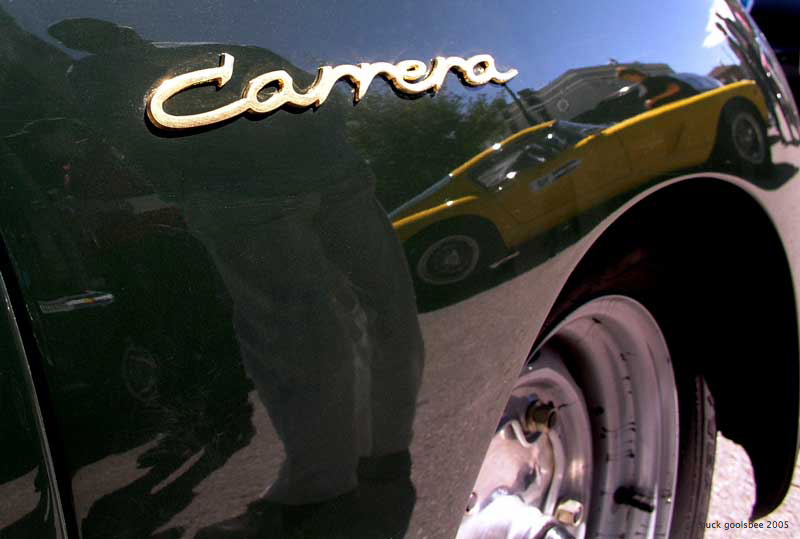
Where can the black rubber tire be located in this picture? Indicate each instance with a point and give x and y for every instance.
(698, 441)
(730, 150)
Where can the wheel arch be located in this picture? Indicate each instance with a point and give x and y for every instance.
(460, 222)
(684, 251)
(742, 102)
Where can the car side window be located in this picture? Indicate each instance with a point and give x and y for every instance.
(523, 154)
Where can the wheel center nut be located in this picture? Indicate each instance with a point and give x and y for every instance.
(569, 512)
(540, 417)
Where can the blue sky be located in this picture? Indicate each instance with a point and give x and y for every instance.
(541, 39)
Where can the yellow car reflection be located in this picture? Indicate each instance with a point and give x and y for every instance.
(544, 175)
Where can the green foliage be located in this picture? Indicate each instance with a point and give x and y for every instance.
(412, 143)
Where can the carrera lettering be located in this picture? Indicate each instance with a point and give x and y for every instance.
(409, 76)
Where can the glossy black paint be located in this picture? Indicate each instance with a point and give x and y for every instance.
(221, 310)
(777, 19)
(31, 503)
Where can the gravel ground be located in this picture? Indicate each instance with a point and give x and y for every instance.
(733, 493)
(733, 490)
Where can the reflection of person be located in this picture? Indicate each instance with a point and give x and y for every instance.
(73, 209)
(323, 304)
(656, 90)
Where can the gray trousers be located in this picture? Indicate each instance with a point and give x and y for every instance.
(325, 315)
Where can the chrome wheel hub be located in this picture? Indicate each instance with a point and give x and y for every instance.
(588, 441)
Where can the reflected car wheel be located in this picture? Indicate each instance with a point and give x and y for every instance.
(743, 139)
(452, 252)
(749, 138)
(141, 373)
(448, 260)
(146, 362)
(601, 437)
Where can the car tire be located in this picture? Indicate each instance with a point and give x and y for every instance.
(742, 140)
(451, 253)
(629, 435)
(697, 451)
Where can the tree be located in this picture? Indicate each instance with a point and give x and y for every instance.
(412, 143)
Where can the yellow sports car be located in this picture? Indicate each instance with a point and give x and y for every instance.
(540, 177)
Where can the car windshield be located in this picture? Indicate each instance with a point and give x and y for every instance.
(698, 82)
(530, 150)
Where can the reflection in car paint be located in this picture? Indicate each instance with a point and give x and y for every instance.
(525, 185)
(540, 183)
(262, 239)
(80, 301)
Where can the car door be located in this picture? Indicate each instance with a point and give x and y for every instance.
(556, 172)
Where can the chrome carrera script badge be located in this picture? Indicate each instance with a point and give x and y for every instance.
(409, 77)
